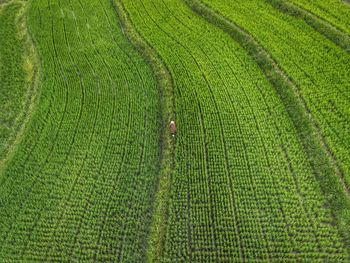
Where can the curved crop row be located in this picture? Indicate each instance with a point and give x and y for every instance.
(18, 77)
(336, 12)
(319, 68)
(82, 183)
(12, 76)
(243, 188)
(320, 24)
(167, 160)
(323, 166)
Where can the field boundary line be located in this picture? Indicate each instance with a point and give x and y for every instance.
(154, 248)
(33, 74)
(324, 164)
(325, 28)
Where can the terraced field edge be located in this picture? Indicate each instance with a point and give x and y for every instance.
(32, 68)
(167, 143)
(329, 31)
(323, 162)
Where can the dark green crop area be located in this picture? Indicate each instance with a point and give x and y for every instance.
(12, 77)
(81, 184)
(318, 67)
(335, 12)
(259, 167)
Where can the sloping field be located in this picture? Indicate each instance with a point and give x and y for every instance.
(336, 12)
(318, 67)
(259, 168)
(243, 187)
(11, 75)
(81, 184)
(17, 77)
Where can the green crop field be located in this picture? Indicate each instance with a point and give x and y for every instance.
(17, 77)
(334, 12)
(258, 169)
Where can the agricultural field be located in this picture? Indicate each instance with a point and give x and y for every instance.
(258, 169)
(16, 77)
(89, 160)
(334, 12)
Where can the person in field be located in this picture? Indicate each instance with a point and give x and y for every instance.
(172, 128)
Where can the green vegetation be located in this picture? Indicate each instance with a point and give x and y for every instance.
(12, 76)
(18, 78)
(336, 12)
(82, 182)
(323, 166)
(243, 187)
(323, 26)
(316, 65)
(259, 169)
(165, 82)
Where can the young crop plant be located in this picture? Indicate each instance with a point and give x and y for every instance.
(335, 12)
(314, 63)
(243, 188)
(18, 76)
(81, 184)
(174, 131)
(318, 79)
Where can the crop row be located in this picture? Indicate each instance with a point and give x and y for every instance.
(318, 67)
(12, 77)
(82, 182)
(243, 187)
(335, 12)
